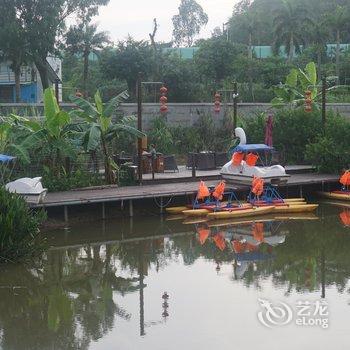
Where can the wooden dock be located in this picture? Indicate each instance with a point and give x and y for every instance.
(163, 192)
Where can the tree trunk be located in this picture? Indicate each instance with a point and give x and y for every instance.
(17, 72)
(109, 176)
(337, 58)
(291, 49)
(250, 70)
(319, 63)
(42, 69)
(85, 72)
(250, 50)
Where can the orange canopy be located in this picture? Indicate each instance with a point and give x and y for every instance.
(203, 191)
(345, 178)
(203, 235)
(219, 191)
(251, 159)
(237, 158)
(219, 241)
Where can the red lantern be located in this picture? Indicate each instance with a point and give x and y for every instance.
(163, 100)
(217, 103)
(163, 90)
(308, 102)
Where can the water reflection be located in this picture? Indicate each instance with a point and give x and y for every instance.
(74, 295)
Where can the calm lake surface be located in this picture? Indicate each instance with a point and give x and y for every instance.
(154, 283)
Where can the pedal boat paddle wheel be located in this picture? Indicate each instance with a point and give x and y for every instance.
(242, 168)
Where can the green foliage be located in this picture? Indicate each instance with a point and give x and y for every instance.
(299, 137)
(161, 136)
(19, 228)
(76, 179)
(330, 152)
(188, 23)
(53, 137)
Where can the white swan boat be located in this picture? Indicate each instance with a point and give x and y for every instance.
(243, 173)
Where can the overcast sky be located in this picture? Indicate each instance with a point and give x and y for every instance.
(135, 17)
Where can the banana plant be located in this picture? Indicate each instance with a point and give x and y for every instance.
(101, 129)
(54, 136)
(298, 81)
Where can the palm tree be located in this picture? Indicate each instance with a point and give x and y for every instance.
(319, 38)
(289, 23)
(84, 39)
(101, 129)
(338, 20)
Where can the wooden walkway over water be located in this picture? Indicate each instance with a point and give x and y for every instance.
(162, 192)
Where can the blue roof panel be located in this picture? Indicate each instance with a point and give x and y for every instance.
(253, 148)
(5, 159)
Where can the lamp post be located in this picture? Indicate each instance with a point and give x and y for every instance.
(164, 109)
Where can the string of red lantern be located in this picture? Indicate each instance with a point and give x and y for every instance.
(163, 100)
(217, 103)
(308, 101)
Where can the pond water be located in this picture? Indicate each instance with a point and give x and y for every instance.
(153, 283)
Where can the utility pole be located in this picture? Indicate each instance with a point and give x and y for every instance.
(324, 112)
(235, 96)
(139, 126)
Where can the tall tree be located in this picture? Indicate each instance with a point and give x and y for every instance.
(290, 21)
(130, 58)
(84, 39)
(338, 20)
(188, 23)
(43, 23)
(13, 46)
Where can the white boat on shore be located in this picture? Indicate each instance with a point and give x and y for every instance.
(31, 189)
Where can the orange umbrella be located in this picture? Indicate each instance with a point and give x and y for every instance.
(219, 191)
(219, 241)
(203, 191)
(203, 235)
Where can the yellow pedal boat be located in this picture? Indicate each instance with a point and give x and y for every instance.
(240, 213)
(340, 196)
(175, 210)
(297, 208)
(196, 212)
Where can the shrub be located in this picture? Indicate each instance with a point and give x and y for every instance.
(19, 228)
(161, 136)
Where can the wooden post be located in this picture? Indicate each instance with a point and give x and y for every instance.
(103, 211)
(57, 91)
(65, 210)
(139, 126)
(131, 208)
(193, 162)
(235, 92)
(324, 113)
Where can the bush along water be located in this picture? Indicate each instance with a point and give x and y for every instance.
(300, 138)
(20, 237)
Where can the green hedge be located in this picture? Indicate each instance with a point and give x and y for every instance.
(19, 228)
